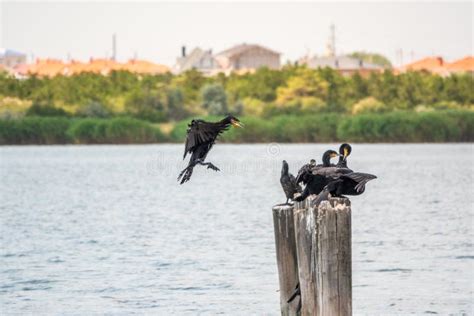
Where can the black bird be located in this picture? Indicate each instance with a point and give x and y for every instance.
(296, 292)
(350, 183)
(327, 156)
(315, 183)
(200, 138)
(304, 171)
(288, 182)
(344, 152)
(339, 182)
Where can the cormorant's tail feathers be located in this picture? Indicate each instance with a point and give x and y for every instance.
(185, 175)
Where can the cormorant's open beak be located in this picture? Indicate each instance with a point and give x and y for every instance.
(236, 124)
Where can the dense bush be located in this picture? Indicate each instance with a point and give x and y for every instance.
(52, 130)
(46, 110)
(214, 99)
(34, 130)
(434, 126)
(116, 131)
(441, 126)
(430, 126)
(94, 109)
(369, 105)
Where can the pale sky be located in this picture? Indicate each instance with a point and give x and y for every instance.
(156, 31)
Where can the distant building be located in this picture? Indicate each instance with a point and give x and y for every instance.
(248, 57)
(464, 65)
(144, 67)
(437, 65)
(240, 59)
(10, 58)
(54, 67)
(345, 65)
(198, 59)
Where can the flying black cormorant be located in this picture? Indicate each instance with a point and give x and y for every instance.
(200, 138)
(288, 182)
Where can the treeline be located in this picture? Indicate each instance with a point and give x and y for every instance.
(61, 130)
(435, 126)
(293, 90)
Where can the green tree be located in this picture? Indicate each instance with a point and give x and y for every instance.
(214, 99)
(175, 104)
(305, 83)
(373, 58)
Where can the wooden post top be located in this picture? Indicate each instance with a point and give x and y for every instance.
(282, 207)
(333, 202)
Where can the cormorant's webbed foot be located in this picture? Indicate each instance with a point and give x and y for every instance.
(209, 165)
(213, 167)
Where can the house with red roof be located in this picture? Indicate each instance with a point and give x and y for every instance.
(437, 65)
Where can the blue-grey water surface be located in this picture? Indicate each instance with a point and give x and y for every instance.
(107, 230)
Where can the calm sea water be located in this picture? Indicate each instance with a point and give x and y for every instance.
(107, 230)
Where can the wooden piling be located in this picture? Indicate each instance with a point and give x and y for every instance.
(334, 261)
(286, 256)
(314, 248)
(305, 235)
(323, 243)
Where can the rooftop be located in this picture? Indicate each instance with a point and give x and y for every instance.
(340, 62)
(53, 67)
(464, 64)
(10, 52)
(241, 48)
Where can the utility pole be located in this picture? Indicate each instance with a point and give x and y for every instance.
(114, 47)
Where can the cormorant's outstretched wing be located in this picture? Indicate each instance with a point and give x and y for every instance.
(200, 132)
(331, 172)
(360, 178)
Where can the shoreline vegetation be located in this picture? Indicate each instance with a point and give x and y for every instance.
(293, 104)
(399, 127)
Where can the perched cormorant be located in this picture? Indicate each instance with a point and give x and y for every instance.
(200, 137)
(327, 156)
(305, 171)
(315, 183)
(288, 182)
(339, 182)
(344, 151)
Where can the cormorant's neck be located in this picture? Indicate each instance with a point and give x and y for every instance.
(326, 160)
(224, 122)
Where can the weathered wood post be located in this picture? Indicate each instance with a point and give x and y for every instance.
(323, 242)
(305, 223)
(286, 256)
